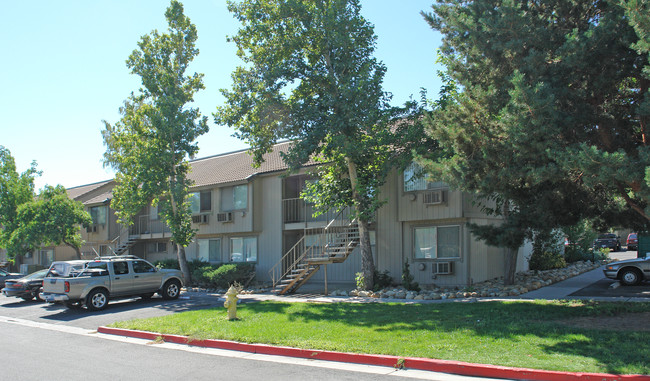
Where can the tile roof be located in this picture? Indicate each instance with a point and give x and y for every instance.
(225, 168)
(236, 166)
(78, 191)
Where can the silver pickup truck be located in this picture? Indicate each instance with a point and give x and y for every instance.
(93, 283)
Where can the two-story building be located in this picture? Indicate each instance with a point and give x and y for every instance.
(256, 215)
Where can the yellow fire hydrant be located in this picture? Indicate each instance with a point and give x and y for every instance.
(231, 303)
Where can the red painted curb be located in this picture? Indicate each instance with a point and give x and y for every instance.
(443, 366)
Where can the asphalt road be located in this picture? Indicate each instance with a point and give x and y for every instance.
(610, 288)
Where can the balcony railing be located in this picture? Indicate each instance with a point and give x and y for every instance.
(297, 210)
(145, 225)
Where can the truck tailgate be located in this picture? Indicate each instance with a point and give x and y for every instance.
(54, 285)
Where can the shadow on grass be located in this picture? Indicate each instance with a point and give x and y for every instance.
(616, 351)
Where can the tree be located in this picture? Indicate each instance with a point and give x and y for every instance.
(549, 112)
(51, 219)
(15, 190)
(310, 76)
(150, 145)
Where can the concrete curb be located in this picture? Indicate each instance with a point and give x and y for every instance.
(443, 366)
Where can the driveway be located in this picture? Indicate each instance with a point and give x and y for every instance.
(609, 288)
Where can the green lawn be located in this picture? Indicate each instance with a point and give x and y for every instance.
(517, 334)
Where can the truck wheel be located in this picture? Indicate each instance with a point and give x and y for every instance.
(37, 294)
(171, 289)
(630, 277)
(97, 300)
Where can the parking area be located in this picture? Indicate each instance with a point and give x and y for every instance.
(609, 288)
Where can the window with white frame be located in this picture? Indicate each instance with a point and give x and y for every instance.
(234, 198)
(201, 202)
(436, 242)
(415, 179)
(209, 250)
(243, 249)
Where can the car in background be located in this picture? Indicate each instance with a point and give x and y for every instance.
(632, 241)
(27, 287)
(6, 275)
(629, 272)
(608, 241)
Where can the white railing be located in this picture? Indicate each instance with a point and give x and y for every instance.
(303, 251)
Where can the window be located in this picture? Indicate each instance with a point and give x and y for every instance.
(415, 179)
(209, 250)
(46, 257)
(98, 214)
(201, 202)
(234, 198)
(120, 268)
(143, 267)
(437, 242)
(243, 249)
(156, 247)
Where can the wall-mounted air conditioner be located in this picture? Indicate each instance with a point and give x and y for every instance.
(436, 197)
(224, 217)
(443, 268)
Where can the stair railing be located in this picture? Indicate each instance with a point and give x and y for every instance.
(301, 253)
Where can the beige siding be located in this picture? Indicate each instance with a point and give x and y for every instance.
(269, 207)
(389, 232)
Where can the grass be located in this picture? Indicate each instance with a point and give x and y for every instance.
(516, 334)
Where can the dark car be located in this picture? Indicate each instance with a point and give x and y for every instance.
(632, 241)
(608, 240)
(630, 272)
(27, 287)
(5, 275)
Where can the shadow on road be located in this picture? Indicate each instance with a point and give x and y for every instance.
(602, 289)
(61, 313)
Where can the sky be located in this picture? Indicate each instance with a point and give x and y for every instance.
(64, 73)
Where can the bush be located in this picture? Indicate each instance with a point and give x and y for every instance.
(382, 280)
(408, 279)
(546, 260)
(227, 274)
(207, 275)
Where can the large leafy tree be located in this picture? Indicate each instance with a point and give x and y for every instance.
(309, 75)
(52, 219)
(16, 189)
(549, 120)
(150, 145)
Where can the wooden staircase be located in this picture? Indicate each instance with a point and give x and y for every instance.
(333, 245)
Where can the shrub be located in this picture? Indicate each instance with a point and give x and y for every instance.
(407, 278)
(546, 260)
(382, 280)
(227, 274)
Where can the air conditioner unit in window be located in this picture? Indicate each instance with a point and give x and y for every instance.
(443, 268)
(224, 217)
(201, 218)
(434, 197)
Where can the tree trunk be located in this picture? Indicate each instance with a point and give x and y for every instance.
(367, 263)
(182, 262)
(510, 266)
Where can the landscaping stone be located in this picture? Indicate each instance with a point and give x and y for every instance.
(524, 282)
